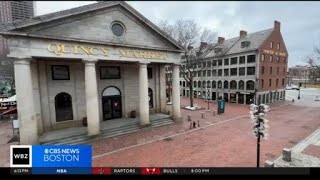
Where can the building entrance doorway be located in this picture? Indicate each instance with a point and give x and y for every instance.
(111, 103)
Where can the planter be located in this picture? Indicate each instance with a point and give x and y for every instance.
(133, 114)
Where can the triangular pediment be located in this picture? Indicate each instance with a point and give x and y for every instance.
(94, 24)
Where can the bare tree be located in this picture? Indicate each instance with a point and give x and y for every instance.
(314, 63)
(197, 43)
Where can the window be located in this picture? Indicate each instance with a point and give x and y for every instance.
(180, 83)
(214, 72)
(208, 84)
(117, 29)
(242, 59)
(250, 85)
(233, 72)
(271, 58)
(270, 70)
(245, 44)
(242, 71)
(262, 70)
(225, 85)
(184, 84)
(226, 72)
(262, 83)
(199, 65)
(150, 73)
(199, 73)
(241, 85)
(269, 82)
(209, 64)
(63, 107)
(109, 72)
(278, 59)
(220, 72)
(234, 60)
(203, 84)
(262, 58)
(195, 84)
(150, 95)
(209, 73)
(226, 61)
(203, 73)
(283, 82)
(251, 58)
(276, 82)
(251, 70)
(233, 84)
(204, 64)
(271, 45)
(278, 70)
(219, 84)
(60, 72)
(214, 84)
(217, 49)
(278, 46)
(220, 62)
(199, 84)
(214, 63)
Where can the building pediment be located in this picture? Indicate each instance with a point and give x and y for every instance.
(94, 23)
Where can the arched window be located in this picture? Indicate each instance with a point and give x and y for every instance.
(111, 91)
(150, 94)
(199, 84)
(208, 84)
(225, 85)
(219, 84)
(195, 84)
(184, 84)
(241, 85)
(214, 85)
(250, 85)
(203, 84)
(63, 105)
(233, 84)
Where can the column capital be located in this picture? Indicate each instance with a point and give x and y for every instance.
(26, 60)
(143, 65)
(90, 61)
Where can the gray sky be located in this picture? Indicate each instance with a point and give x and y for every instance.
(300, 21)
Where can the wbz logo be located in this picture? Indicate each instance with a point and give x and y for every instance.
(20, 156)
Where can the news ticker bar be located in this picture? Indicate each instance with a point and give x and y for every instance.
(163, 171)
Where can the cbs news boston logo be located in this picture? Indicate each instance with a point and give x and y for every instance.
(52, 158)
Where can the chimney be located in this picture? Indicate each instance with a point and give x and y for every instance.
(243, 33)
(203, 44)
(190, 47)
(276, 25)
(220, 40)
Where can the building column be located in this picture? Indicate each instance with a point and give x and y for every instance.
(163, 97)
(91, 90)
(237, 98)
(143, 95)
(175, 93)
(28, 125)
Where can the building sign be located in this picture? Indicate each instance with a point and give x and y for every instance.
(274, 53)
(60, 49)
(6, 104)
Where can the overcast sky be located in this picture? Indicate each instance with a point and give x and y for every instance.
(300, 21)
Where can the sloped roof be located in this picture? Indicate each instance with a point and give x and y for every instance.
(83, 9)
(233, 45)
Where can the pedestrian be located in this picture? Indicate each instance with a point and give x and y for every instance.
(198, 123)
(194, 124)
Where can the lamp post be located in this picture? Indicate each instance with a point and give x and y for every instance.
(299, 90)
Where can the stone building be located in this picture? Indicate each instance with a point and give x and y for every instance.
(11, 11)
(100, 61)
(250, 67)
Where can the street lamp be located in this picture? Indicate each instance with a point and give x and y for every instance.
(257, 114)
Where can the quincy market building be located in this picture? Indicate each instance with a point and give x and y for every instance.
(100, 61)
